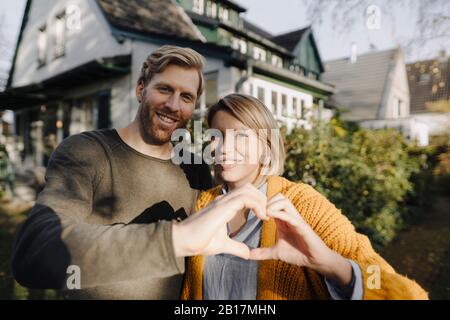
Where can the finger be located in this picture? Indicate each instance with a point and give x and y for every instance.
(284, 204)
(275, 198)
(263, 253)
(236, 248)
(283, 216)
(246, 201)
(250, 189)
(281, 204)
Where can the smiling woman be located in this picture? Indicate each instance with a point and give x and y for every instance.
(307, 250)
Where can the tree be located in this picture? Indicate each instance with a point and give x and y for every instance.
(432, 17)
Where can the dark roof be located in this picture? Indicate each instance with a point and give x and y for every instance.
(233, 5)
(290, 39)
(255, 29)
(361, 85)
(35, 93)
(160, 17)
(424, 91)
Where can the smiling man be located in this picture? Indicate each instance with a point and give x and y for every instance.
(111, 196)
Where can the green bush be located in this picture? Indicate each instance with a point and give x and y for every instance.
(365, 173)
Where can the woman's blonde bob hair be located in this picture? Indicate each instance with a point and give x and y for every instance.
(256, 116)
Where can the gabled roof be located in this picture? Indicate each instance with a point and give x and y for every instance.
(159, 17)
(290, 39)
(233, 5)
(361, 85)
(255, 29)
(436, 88)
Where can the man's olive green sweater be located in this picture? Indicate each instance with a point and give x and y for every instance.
(107, 209)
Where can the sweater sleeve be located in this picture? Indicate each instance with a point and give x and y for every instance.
(56, 234)
(380, 281)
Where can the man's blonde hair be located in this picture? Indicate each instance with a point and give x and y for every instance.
(256, 116)
(167, 55)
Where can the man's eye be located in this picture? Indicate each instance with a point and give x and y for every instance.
(163, 89)
(187, 98)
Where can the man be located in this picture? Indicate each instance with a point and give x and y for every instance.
(111, 196)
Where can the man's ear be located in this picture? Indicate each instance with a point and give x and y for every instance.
(140, 91)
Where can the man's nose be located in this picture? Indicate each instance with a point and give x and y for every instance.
(173, 103)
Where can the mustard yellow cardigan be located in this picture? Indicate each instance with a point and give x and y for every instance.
(280, 280)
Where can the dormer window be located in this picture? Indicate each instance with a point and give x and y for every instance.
(277, 61)
(211, 9)
(60, 35)
(198, 6)
(42, 45)
(239, 44)
(259, 54)
(224, 14)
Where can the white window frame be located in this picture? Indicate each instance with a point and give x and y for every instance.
(42, 45)
(277, 61)
(259, 54)
(198, 6)
(59, 40)
(211, 9)
(224, 13)
(243, 46)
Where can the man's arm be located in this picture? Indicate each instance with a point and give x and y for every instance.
(56, 235)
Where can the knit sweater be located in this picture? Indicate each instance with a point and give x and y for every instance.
(278, 280)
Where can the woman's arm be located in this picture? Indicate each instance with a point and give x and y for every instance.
(312, 232)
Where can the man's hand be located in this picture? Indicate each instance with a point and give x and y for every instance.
(298, 244)
(205, 232)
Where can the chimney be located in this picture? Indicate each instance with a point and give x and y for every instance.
(442, 56)
(354, 55)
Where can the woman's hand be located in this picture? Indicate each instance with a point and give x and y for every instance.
(298, 244)
(205, 233)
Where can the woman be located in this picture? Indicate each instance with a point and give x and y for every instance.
(307, 250)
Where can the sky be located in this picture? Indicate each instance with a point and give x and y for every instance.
(279, 16)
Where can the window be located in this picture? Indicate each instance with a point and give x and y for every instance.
(302, 109)
(42, 45)
(243, 46)
(396, 108)
(277, 61)
(239, 44)
(284, 110)
(198, 6)
(211, 9)
(424, 78)
(60, 35)
(261, 94)
(223, 14)
(259, 54)
(275, 102)
(312, 75)
(295, 107)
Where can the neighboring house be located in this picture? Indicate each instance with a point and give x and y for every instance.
(77, 61)
(372, 90)
(429, 86)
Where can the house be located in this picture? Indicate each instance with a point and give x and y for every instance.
(429, 86)
(372, 90)
(77, 61)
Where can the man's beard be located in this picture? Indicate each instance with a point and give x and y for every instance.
(150, 131)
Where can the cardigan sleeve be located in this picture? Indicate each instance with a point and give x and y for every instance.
(380, 281)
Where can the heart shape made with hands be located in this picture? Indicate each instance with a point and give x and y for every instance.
(205, 233)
